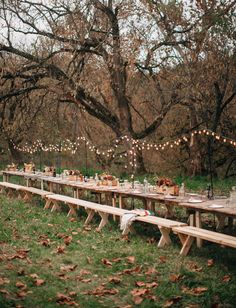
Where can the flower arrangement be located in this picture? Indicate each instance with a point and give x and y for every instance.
(12, 167)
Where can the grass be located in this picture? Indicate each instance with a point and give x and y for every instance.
(81, 267)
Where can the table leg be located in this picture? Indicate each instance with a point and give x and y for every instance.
(199, 225)
(221, 221)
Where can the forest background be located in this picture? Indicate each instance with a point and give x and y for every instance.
(150, 70)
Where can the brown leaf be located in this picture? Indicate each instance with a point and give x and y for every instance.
(60, 249)
(45, 242)
(63, 299)
(151, 271)
(21, 285)
(129, 271)
(85, 280)
(114, 279)
(21, 294)
(175, 278)
(152, 285)
(172, 301)
(194, 291)
(116, 260)
(61, 235)
(21, 272)
(139, 292)
(101, 291)
(194, 267)
(68, 268)
(226, 278)
(3, 291)
(162, 259)
(210, 262)
(84, 272)
(34, 276)
(89, 260)
(86, 228)
(130, 259)
(72, 219)
(106, 262)
(137, 300)
(140, 283)
(4, 280)
(39, 282)
(72, 293)
(68, 240)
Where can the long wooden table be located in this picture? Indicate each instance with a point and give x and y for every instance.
(115, 193)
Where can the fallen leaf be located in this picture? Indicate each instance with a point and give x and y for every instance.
(210, 262)
(101, 291)
(86, 228)
(194, 291)
(84, 272)
(151, 271)
(106, 262)
(116, 260)
(21, 272)
(140, 283)
(74, 233)
(162, 259)
(21, 294)
(139, 292)
(85, 280)
(129, 271)
(175, 278)
(137, 300)
(114, 279)
(3, 291)
(89, 260)
(20, 285)
(60, 249)
(68, 240)
(152, 285)
(39, 282)
(172, 301)
(34, 276)
(68, 268)
(72, 219)
(130, 259)
(63, 299)
(226, 278)
(4, 280)
(194, 267)
(45, 242)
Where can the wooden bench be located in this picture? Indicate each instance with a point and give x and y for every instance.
(187, 235)
(25, 192)
(9, 188)
(164, 225)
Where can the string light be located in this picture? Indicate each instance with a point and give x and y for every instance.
(73, 146)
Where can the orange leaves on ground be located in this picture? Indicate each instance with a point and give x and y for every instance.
(226, 278)
(102, 291)
(116, 260)
(68, 240)
(175, 278)
(115, 280)
(39, 282)
(172, 301)
(21, 285)
(60, 249)
(106, 262)
(210, 262)
(63, 299)
(130, 259)
(20, 254)
(130, 271)
(34, 276)
(4, 280)
(148, 285)
(68, 268)
(162, 259)
(194, 267)
(194, 291)
(45, 242)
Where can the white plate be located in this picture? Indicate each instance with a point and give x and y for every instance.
(136, 192)
(170, 197)
(194, 201)
(215, 206)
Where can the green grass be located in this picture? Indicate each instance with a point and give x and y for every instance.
(28, 226)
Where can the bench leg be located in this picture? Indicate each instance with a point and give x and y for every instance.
(72, 211)
(169, 212)
(55, 206)
(186, 245)
(104, 220)
(89, 217)
(165, 237)
(129, 229)
(47, 204)
(27, 196)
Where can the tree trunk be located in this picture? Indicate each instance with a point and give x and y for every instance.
(15, 154)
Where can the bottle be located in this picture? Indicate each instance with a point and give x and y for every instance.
(96, 178)
(182, 190)
(145, 185)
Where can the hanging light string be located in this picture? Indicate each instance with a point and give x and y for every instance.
(73, 146)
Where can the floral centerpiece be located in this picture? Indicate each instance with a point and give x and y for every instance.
(30, 167)
(108, 179)
(49, 171)
(12, 167)
(73, 175)
(167, 185)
